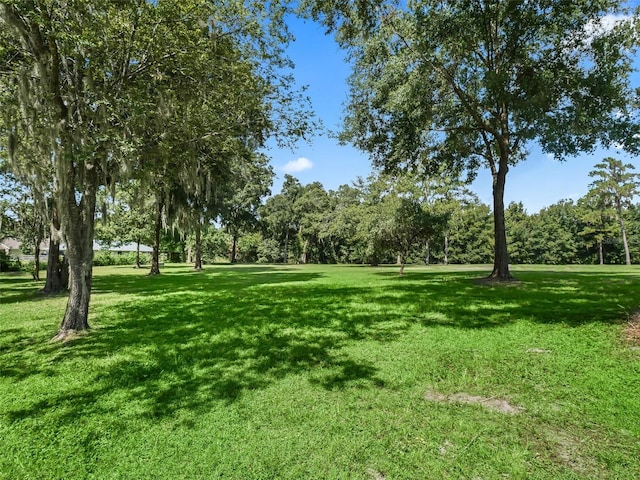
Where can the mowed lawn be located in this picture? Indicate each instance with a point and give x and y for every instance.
(323, 372)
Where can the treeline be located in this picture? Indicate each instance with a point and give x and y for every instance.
(383, 219)
(403, 219)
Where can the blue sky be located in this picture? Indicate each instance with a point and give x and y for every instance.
(537, 182)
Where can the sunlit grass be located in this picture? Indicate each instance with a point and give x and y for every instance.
(324, 372)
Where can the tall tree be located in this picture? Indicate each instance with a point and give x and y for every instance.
(616, 186)
(251, 182)
(554, 236)
(598, 222)
(470, 83)
(86, 70)
(280, 217)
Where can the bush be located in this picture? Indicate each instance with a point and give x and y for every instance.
(106, 258)
(8, 264)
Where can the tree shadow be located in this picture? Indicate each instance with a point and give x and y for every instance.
(193, 338)
(543, 296)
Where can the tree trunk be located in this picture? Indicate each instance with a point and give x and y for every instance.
(36, 258)
(155, 255)
(286, 246)
(303, 256)
(198, 248)
(427, 253)
(501, 256)
(401, 262)
(233, 256)
(78, 221)
(446, 247)
(137, 253)
(57, 269)
(601, 252)
(627, 255)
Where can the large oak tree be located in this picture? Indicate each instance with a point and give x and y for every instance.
(470, 83)
(86, 70)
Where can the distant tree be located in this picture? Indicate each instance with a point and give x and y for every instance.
(555, 234)
(615, 185)
(279, 215)
(471, 239)
(27, 211)
(518, 223)
(242, 196)
(405, 224)
(465, 84)
(125, 216)
(312, 207)
(599, 223)
(342, 224)
(397, 217)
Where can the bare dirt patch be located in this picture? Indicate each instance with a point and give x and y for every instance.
(375, 475)
(491, 403)
(565, 448)
(632, 331)
(538, 350)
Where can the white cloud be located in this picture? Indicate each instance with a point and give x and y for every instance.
(298, 165)
(605, 25)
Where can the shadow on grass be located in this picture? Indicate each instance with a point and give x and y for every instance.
(16, 289)
(189, 339)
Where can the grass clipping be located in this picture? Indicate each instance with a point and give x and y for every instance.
(490, 403)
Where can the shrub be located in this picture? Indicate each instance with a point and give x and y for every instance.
(8, 264)
(106, 258)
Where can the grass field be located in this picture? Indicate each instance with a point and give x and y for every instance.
(323, 372)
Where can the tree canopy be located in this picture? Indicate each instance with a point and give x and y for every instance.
(97, 93)
(471, 83)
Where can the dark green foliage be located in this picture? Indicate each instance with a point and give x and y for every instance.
(8, 264)
(106, 258)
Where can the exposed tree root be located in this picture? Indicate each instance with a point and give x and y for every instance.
(69, 335)
(497, 281)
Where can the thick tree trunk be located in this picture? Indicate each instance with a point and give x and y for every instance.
(401, 262)
(77, 312)
(198, 248)
(501, 257)
(155, 255)
(78, 221)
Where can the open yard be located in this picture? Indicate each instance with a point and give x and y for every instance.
(322, 372)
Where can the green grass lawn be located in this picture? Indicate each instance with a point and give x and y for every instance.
(322, 372)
